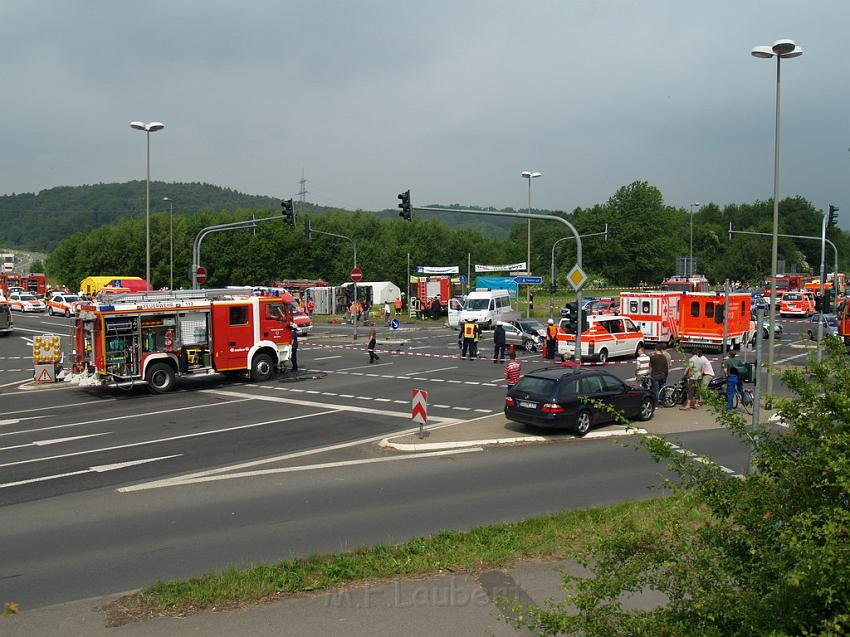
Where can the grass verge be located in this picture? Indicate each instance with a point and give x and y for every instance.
(549, 537)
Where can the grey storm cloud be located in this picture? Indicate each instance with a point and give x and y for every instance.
(449, 99)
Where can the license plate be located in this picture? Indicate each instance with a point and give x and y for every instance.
(527, 404)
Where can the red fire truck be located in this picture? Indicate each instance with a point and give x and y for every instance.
(10, 281)
(694, 283)
(702, 317)
(35, 283)
(156, 337)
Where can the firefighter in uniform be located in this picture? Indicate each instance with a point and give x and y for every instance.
(468, 329)
(551, 339)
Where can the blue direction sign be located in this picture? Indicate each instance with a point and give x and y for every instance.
(528, 280)
(394, 324)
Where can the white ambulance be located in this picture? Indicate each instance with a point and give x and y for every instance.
(656, 313)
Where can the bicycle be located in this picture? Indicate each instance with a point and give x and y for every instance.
(743, 397)
(673, 394)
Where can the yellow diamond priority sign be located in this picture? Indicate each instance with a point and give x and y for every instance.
(577, 277)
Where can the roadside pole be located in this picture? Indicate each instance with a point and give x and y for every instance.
(196, 245)
(757, 378)
(725, 346)
(823, 287)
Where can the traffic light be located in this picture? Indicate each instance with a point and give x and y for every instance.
(833, 216)
(288, 212)
(405, 205)
(308, 230)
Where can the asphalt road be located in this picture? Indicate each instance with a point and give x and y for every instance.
(67, 532)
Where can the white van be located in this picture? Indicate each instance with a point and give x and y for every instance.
(488, 307)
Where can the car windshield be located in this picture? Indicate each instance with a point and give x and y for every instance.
(831, 320)
(27, 297)
(791, 297)
(71, 299)
(535, 386)
(531, 326)
(477, 304)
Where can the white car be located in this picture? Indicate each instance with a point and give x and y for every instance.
(26, 302)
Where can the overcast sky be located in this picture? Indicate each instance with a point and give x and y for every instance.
(452, 99)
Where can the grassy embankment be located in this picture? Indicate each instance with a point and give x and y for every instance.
(557, 536)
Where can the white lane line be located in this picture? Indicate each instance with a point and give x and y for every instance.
(498, 380)
(483, 411)
(172, 438)
(309, 467)
(326, 358)
(489, 385)
(420, 378)
(127, 416)
(306, 403)
(697, 458)
(54, 441)
(388, 376)
(346, 395)
(96, 469)
(443, 406)
(15, 421)
(421, 346)
(458, 382)
(328, 393)
(383, 400)
(436, 380)
(790, 358)
(345, 369)
(358, 373)
(24, 338)
(463, 408)
(17, 382)
(400, 402)
(23, 329)
(364, 398)
(313, 391)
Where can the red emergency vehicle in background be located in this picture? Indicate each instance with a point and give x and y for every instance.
(656, 313)
(842, 313)
(35, 283)
(427, 287)
(693, 283)
(702, 317)
(156, 337)
(10, 281)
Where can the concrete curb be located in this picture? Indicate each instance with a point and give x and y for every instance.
(387, 443)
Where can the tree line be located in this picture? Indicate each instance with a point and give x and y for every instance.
(646, 236)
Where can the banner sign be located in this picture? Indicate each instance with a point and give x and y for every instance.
(511, 267)
(428, 269)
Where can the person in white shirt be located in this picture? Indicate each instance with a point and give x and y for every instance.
(641, 366)
(386, 313)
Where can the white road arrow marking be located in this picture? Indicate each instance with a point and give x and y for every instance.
(53, 441)
(97, 469)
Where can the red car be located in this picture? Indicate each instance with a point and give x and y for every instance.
(303, 322)
(604, 306)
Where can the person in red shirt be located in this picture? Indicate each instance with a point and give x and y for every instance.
(512, 370)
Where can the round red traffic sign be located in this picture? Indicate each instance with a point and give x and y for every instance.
(356, 274)
(201, 274)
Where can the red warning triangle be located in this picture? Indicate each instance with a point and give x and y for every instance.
(44, 377)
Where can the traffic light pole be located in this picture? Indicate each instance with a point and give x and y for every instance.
(196, 245)
(528, 215)
(552, 266)
(354, 247)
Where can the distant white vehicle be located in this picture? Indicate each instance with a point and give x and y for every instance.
(488, 307)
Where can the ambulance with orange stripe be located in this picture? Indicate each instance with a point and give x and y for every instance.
(656, 313)
(702, 316)
(605, 337)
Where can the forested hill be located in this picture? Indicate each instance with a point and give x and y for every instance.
(39, 221)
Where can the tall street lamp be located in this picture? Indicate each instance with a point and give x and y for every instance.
(691, 253)
(148, 129)
(779, 50)
(170, 242)
(527, 174)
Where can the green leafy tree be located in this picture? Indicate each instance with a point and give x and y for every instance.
(774, 556)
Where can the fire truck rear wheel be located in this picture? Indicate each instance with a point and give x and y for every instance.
(261, 368)
(160, 378)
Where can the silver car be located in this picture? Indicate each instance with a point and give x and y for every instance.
(830, 325)
(526, 334)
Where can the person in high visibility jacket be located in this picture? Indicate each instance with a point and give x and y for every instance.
(468, 329)
(551, 339)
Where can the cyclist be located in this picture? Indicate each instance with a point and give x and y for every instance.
(733, 380)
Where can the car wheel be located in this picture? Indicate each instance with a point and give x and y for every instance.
(603, 356)
(67, 313)
(639, 345)
(811, 336)
(160, 377)
(647, 408)
(764, 334)
(582, 423)
(529, 346)
(50, 311)
(261, 368)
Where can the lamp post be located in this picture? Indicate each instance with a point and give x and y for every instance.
(527, 174)
(170, 242)
(691, 253)
(780, 49)
(152, 127)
